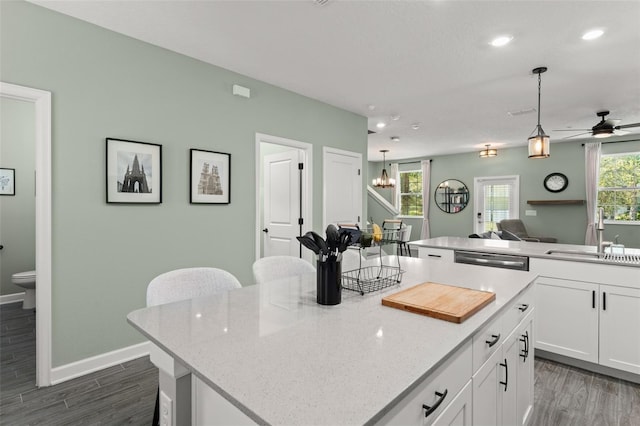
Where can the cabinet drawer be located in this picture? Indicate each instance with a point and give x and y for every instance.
(518, 310)
(486, 341)
(449, 378)
(435, 254)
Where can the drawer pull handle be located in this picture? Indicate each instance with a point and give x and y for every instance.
(434, 255)
(441, 397)
(604, 301)
(523, 307)
(496, 337)
(506, 374)
(525, 352)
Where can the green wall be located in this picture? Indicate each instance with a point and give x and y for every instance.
(105, 84)
(565, 222)
(17, 213)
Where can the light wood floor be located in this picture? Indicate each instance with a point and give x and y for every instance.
(125, 393)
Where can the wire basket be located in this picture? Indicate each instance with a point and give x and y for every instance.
(371, 278)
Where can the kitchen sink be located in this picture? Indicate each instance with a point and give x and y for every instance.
(607, 257)
(575, 253)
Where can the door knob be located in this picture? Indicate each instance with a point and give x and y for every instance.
(1, 246)
(265, 230)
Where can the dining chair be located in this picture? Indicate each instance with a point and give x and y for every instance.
(273, 267)
(183, 284)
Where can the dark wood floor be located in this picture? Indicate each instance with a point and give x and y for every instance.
(125, 393)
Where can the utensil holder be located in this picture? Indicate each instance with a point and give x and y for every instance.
(329, 282)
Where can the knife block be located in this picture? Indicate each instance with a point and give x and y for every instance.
(329, 282)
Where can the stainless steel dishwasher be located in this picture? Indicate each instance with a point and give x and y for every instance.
(507, 261)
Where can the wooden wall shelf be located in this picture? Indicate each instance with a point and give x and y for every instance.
(556, 202)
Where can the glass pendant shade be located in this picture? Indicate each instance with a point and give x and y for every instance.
(539, 144)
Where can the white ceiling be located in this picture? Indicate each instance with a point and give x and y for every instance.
(429, 62)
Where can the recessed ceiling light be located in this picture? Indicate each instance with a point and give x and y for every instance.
(380, 125)
(395, 117)
(371, 107)
(415, 126)
(501, 41)
(592, 35)
(395, 138)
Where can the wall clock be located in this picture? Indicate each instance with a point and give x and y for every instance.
(556, 182)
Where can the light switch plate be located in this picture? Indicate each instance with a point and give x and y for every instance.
(531, 213)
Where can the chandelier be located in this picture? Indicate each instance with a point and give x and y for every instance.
(384, 181)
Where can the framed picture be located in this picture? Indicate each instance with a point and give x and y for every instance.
(210, 178)
(7, 181)
(134, 172)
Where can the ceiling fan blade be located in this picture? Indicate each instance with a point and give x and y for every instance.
(571, 130)
(612, 121)
(579, 134)
(624, 126)
(621, 132)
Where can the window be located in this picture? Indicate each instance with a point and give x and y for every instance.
(619, 187)
(411, 193)
(496, 198)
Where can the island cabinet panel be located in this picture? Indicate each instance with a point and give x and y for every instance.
(619, 322)
(437, 390)
(487, 396)
(525, 371)
(436, 254)
(458, 412)
(567, 318)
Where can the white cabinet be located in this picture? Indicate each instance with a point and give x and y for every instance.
(589, 321)
(503, 386)
(619, 321)
(436, 254)
(567, 318)
(458, 412)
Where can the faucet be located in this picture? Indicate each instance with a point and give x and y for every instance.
(600, 228)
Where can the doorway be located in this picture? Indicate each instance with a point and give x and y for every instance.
(283, 195)
(42, 101)
(496, 198)
(342, 187)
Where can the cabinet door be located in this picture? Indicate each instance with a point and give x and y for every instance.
(567, 318)
(436, 254)
(458, 413)
(619, 320)
(487, 399)
(524, 371)
(509, 379)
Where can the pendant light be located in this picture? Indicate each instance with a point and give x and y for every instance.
(539, 141)
(384, 181)
(488, 152)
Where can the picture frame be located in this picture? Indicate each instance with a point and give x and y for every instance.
(209, 177)
(134, 172)
(7, 181)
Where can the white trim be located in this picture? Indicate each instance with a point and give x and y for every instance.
(42, 101)
(11, 298)
(307, 193)
(98, 362)
(383, 202)
(330, 150)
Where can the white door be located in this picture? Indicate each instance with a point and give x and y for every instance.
(495, 198)
(282, 203)
(487, 398)
(342, 186)
(619, 319)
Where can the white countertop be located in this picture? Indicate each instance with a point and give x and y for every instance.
(282, 358)
(523, 248)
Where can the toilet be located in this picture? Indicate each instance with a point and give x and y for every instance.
(26, 280)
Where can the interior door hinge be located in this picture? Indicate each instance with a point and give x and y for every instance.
(300, 166)
(358, 172)
(300, 221)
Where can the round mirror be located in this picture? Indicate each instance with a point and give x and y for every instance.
(451, 196)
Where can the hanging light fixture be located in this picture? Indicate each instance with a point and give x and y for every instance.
(384, 181)
(539, 140)
(488, 152)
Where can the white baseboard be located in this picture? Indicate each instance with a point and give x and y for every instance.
(98, 362)
(11, 298)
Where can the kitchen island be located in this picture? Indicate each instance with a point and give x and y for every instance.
(585, 301)
(278, 357)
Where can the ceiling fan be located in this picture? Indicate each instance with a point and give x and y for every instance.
(604, 129)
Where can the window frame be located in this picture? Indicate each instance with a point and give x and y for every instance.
(400, 193)
(617, 188)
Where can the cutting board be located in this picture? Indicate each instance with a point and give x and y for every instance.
(441, 301)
